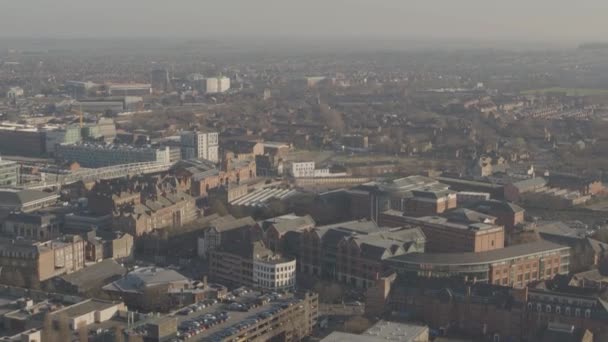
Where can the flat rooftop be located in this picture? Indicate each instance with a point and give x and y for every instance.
(85, 307)
(382, 331)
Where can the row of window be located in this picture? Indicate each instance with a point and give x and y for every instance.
(558, 310)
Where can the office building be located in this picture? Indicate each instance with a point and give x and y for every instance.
(465, 231)
(289, 318)
(9, 173)
(161, 80)
(33, 226)
(67, 135)
(273, 272)
(302, 169)
(31, 141)
(216, 85)
(98, 155)
(27, 263)
(200, 145)
(26, 200)
(514, 266)
(78, 89)
(129, 89)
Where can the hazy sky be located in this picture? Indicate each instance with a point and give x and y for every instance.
(554, 20)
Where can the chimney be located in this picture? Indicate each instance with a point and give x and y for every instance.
(205, 282)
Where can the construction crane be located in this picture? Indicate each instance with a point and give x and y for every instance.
(80, 115)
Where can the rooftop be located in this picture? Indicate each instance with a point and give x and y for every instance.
(383, 331)
(138, 279)
(87, 306)
(471, 258)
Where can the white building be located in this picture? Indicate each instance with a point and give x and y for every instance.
(200, 145)
(274, 273)
(216, 85)
(303, 169)
(212, 85)
(15, 92)
(224, 84)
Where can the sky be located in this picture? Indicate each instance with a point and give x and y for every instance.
(542, 20)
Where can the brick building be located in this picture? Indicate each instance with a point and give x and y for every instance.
(27, 263)
(164, 210)
(447, 236)
(516, 265)
(508, 215)
(497, 313)
(353, 252)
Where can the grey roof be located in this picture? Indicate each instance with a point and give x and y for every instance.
(288, 223)
(496, 206)
(138, 279)
(222, 225)
(464, 215)
(530, 184)
(95, 275)
(598, 246)
(17, 198)
(382, 331)
(358, 226)
(472, 258)
(559, 228)
(436, 221)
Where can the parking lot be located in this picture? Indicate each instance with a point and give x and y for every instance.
(208, 321)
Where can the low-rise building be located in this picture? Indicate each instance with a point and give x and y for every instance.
(508, 215)
(9, 173)
(27, 263)
(250, 263)
(166, 210)
(516, 265)
(353, 252)
(91, 279)
(96, 155)
(446, 235)
(38, 226)
(384, 331)
(26, 200)
(158, 289)
(222, 230)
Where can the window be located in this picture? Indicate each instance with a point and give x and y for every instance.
(588, 313)
(558, 310)
(539, 307)
(577, 313)
(548, 308)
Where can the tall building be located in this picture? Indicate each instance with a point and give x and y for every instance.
(212, 86)
(224, 84)
(200, 145)
(31, 141)
(216, 85)
(161, 80)
(9, 173)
